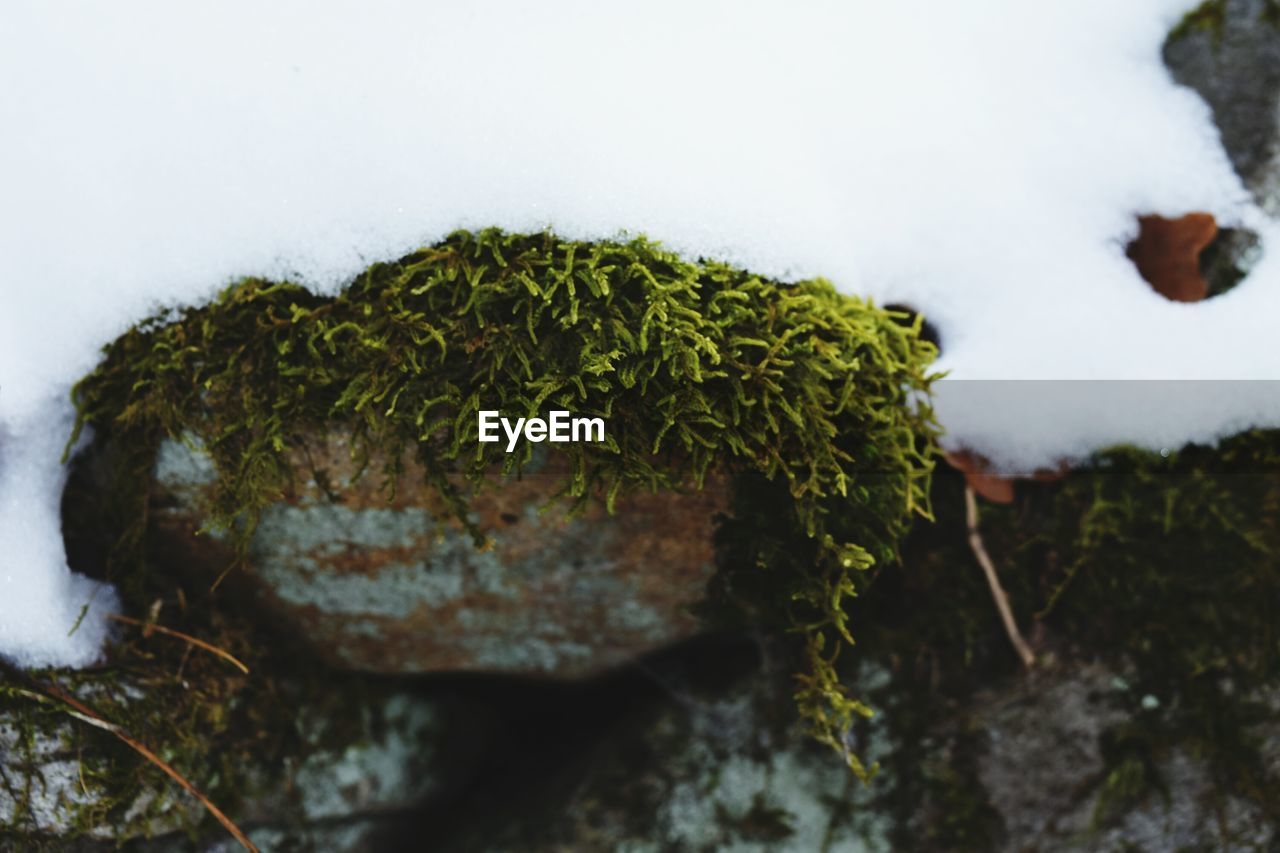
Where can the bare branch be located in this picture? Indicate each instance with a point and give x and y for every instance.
(997, 591)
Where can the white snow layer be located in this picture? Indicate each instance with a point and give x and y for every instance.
(982, 161)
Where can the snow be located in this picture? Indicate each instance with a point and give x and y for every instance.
(41, 602)
(982, 162)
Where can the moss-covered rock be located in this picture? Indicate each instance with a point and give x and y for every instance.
(698, 369)
(1162, 570)
(1229, 52)
(283, 758)
(1148, 584)
(1022, 764)
(291, 750)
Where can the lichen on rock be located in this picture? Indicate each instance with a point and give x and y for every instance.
(397, 585)
(272, 749)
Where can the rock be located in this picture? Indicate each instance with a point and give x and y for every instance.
(1233, 61)
(43, 795)
(717, 767)
(1018, 767)
(1043, 749)
(1044, 762)
(1230, 55)
(348, 794)
(343, 780)
(398, 586)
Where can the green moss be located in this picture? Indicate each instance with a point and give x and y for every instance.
(1166, 569)
(1173, 565)
(228, 733)
(1211, 17)
(696, 368)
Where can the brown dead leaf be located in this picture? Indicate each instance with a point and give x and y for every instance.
(994, 487)
(1167, 254)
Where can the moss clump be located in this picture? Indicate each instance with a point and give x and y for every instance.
(1172, 566)
(1211, 17)
(1165, 569)
(696, 367)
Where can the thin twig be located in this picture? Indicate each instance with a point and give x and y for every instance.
(989, 569)
(208, 647)
(80, 711)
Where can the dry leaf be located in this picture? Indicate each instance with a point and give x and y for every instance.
(995, 488)
(1167, 254)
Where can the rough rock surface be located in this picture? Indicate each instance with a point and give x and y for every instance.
(397, 586)
(1043, 763)
(1233, 61)
(732, 771)
(340, 786)
(41, 783)
(1231, 57)
(720, 767)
